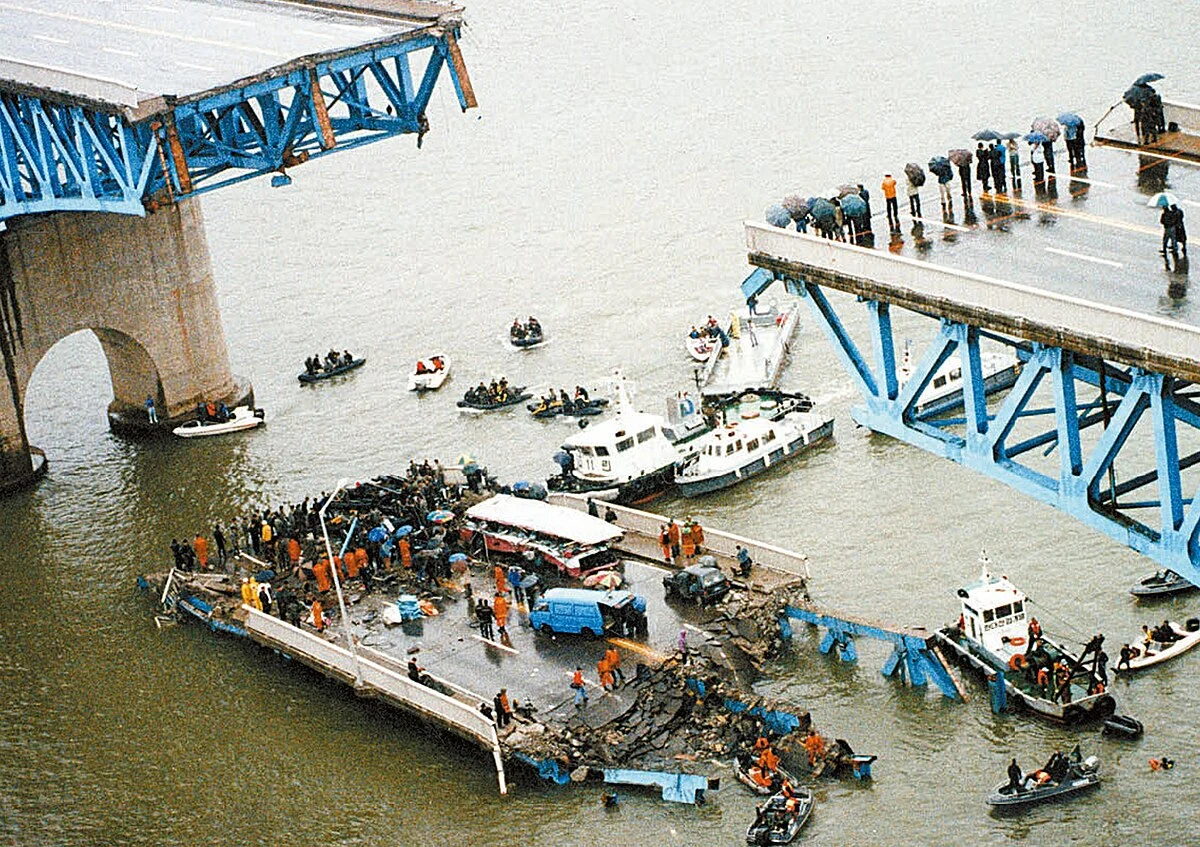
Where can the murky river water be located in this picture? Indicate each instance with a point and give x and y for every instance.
(601, 187)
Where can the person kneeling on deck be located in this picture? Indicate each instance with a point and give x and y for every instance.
(768, 761)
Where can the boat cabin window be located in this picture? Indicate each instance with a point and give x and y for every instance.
(601, 450)
(988, 615)
(956, 373)
(729, 448)
(769, 437)
(645, 435)
(586, 451)
(752, 444)
(1018, 607)
(939, 381)
(1004, 611)
(624, 444)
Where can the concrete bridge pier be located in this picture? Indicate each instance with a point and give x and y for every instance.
(144, 286)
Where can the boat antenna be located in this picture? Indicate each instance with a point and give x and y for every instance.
(983, 564)
(621, 399)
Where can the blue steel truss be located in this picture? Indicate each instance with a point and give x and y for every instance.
(62, 156)
(1161, 523)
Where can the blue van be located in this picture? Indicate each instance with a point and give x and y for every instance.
(580, 611)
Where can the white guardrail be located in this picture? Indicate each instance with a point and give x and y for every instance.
(392, 685)
(1130, 329)
(1184, 114)
(717, 541)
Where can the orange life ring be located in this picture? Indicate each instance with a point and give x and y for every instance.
(1018, 662)
(1019, 641)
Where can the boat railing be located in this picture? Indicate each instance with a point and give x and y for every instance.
(376, 679)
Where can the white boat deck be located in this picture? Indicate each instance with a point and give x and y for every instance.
(754, 360)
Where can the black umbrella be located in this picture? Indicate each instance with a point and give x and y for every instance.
(959, 156)
(822, 210)
(940, 166)
(1144, 79)
(986, 135)
(846, 189)
(1009, 136)
(1137, 94)
(915, 173)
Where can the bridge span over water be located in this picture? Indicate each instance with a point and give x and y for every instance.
(1104, 419)
(115, 117)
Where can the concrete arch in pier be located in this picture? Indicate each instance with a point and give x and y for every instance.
(144, 286)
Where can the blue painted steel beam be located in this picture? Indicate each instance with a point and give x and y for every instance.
(1138, 401)
(58, 156)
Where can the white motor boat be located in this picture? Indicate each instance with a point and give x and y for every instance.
(945, 388)
(705, 340)
(991, 638)
(429, 374)
(628, 458)
(737, 451)
(1161, 651)
(242, 417)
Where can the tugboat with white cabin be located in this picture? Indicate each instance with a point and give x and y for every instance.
(629, 458)
(992, 637)
(749, 442)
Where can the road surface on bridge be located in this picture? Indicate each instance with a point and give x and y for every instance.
(1093, 237)
(181, 47)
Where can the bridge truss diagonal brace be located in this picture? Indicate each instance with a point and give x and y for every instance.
(910, 655)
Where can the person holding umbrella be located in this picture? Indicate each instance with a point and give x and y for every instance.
(1014, 162)
(916, 178)
(1037, 157)
(961, 159)
(996, 155)
(983, 168)
(939, 166)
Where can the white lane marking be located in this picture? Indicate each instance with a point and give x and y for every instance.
(1091, 182)
(495, 644)
(943, 224)
(311, 33)
(1085, 257)
(117, 52)
(52, 39)
(238, 21)
(141, 30)
(195, 67)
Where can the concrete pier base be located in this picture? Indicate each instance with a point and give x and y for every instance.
(144, 286)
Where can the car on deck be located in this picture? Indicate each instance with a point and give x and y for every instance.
(702, 582)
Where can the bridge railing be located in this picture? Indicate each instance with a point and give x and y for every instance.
(377, 680)
(716, 541)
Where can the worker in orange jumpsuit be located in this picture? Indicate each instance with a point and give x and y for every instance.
(405, 552)
(768, 761)
(761, 744)
(322, 575)
(664, 539)
(352, 563)
(606, 677)
(614, 664)
(317, 616)
(501, 576)
(500, 612)
(674, 534)
(200, 545)
(698, 538)
(814, 745)
(689, 548)
(294, 551)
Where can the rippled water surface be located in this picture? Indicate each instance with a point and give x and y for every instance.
(600, 186)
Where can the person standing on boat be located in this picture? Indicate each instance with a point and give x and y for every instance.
(1015, 776)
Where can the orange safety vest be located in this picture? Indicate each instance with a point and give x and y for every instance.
(500, 610)
(577, 680)
(504, 703)
(889, 188)
(405, 553)
(612, 657)
(201, 547)
(689, 546)
(501, 580)
(673, 533)
(761, 744)
(352, 563)
(294, 551)
(697, 535)
(318, 618)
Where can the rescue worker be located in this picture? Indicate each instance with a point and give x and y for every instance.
(686, 543)
(697, 538)
(664, 540)
(322, 575)
(614, 664)
(604, 674)
(503, 709)
(200, 546)
(247, 599)
(581, 695)
(317, 616)
(761, 744)
(500, 612)
(405, 552)
(501, 577)
(254, 599)
(814, 745)
(674, 535)
(768, 761)
(1015, 777)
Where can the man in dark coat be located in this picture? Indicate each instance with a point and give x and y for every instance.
(983, 167)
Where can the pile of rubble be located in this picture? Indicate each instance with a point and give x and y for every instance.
(747, 627)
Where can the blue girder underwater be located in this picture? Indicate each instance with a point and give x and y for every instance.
(910, 655)
(62, 156)
(1083, 483)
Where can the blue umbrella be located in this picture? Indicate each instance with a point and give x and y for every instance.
(940, 165)
(1137, 94)
(377, 534)
(440, 516)
(521, 485)
(1036, 138)
(853, 205)
(1009, 136)
(986, 135)
(402, 531)
(457, 557)
(778, 216)
(1070, 119)
(822, 210)
(1145, 79)
(1162, 199)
